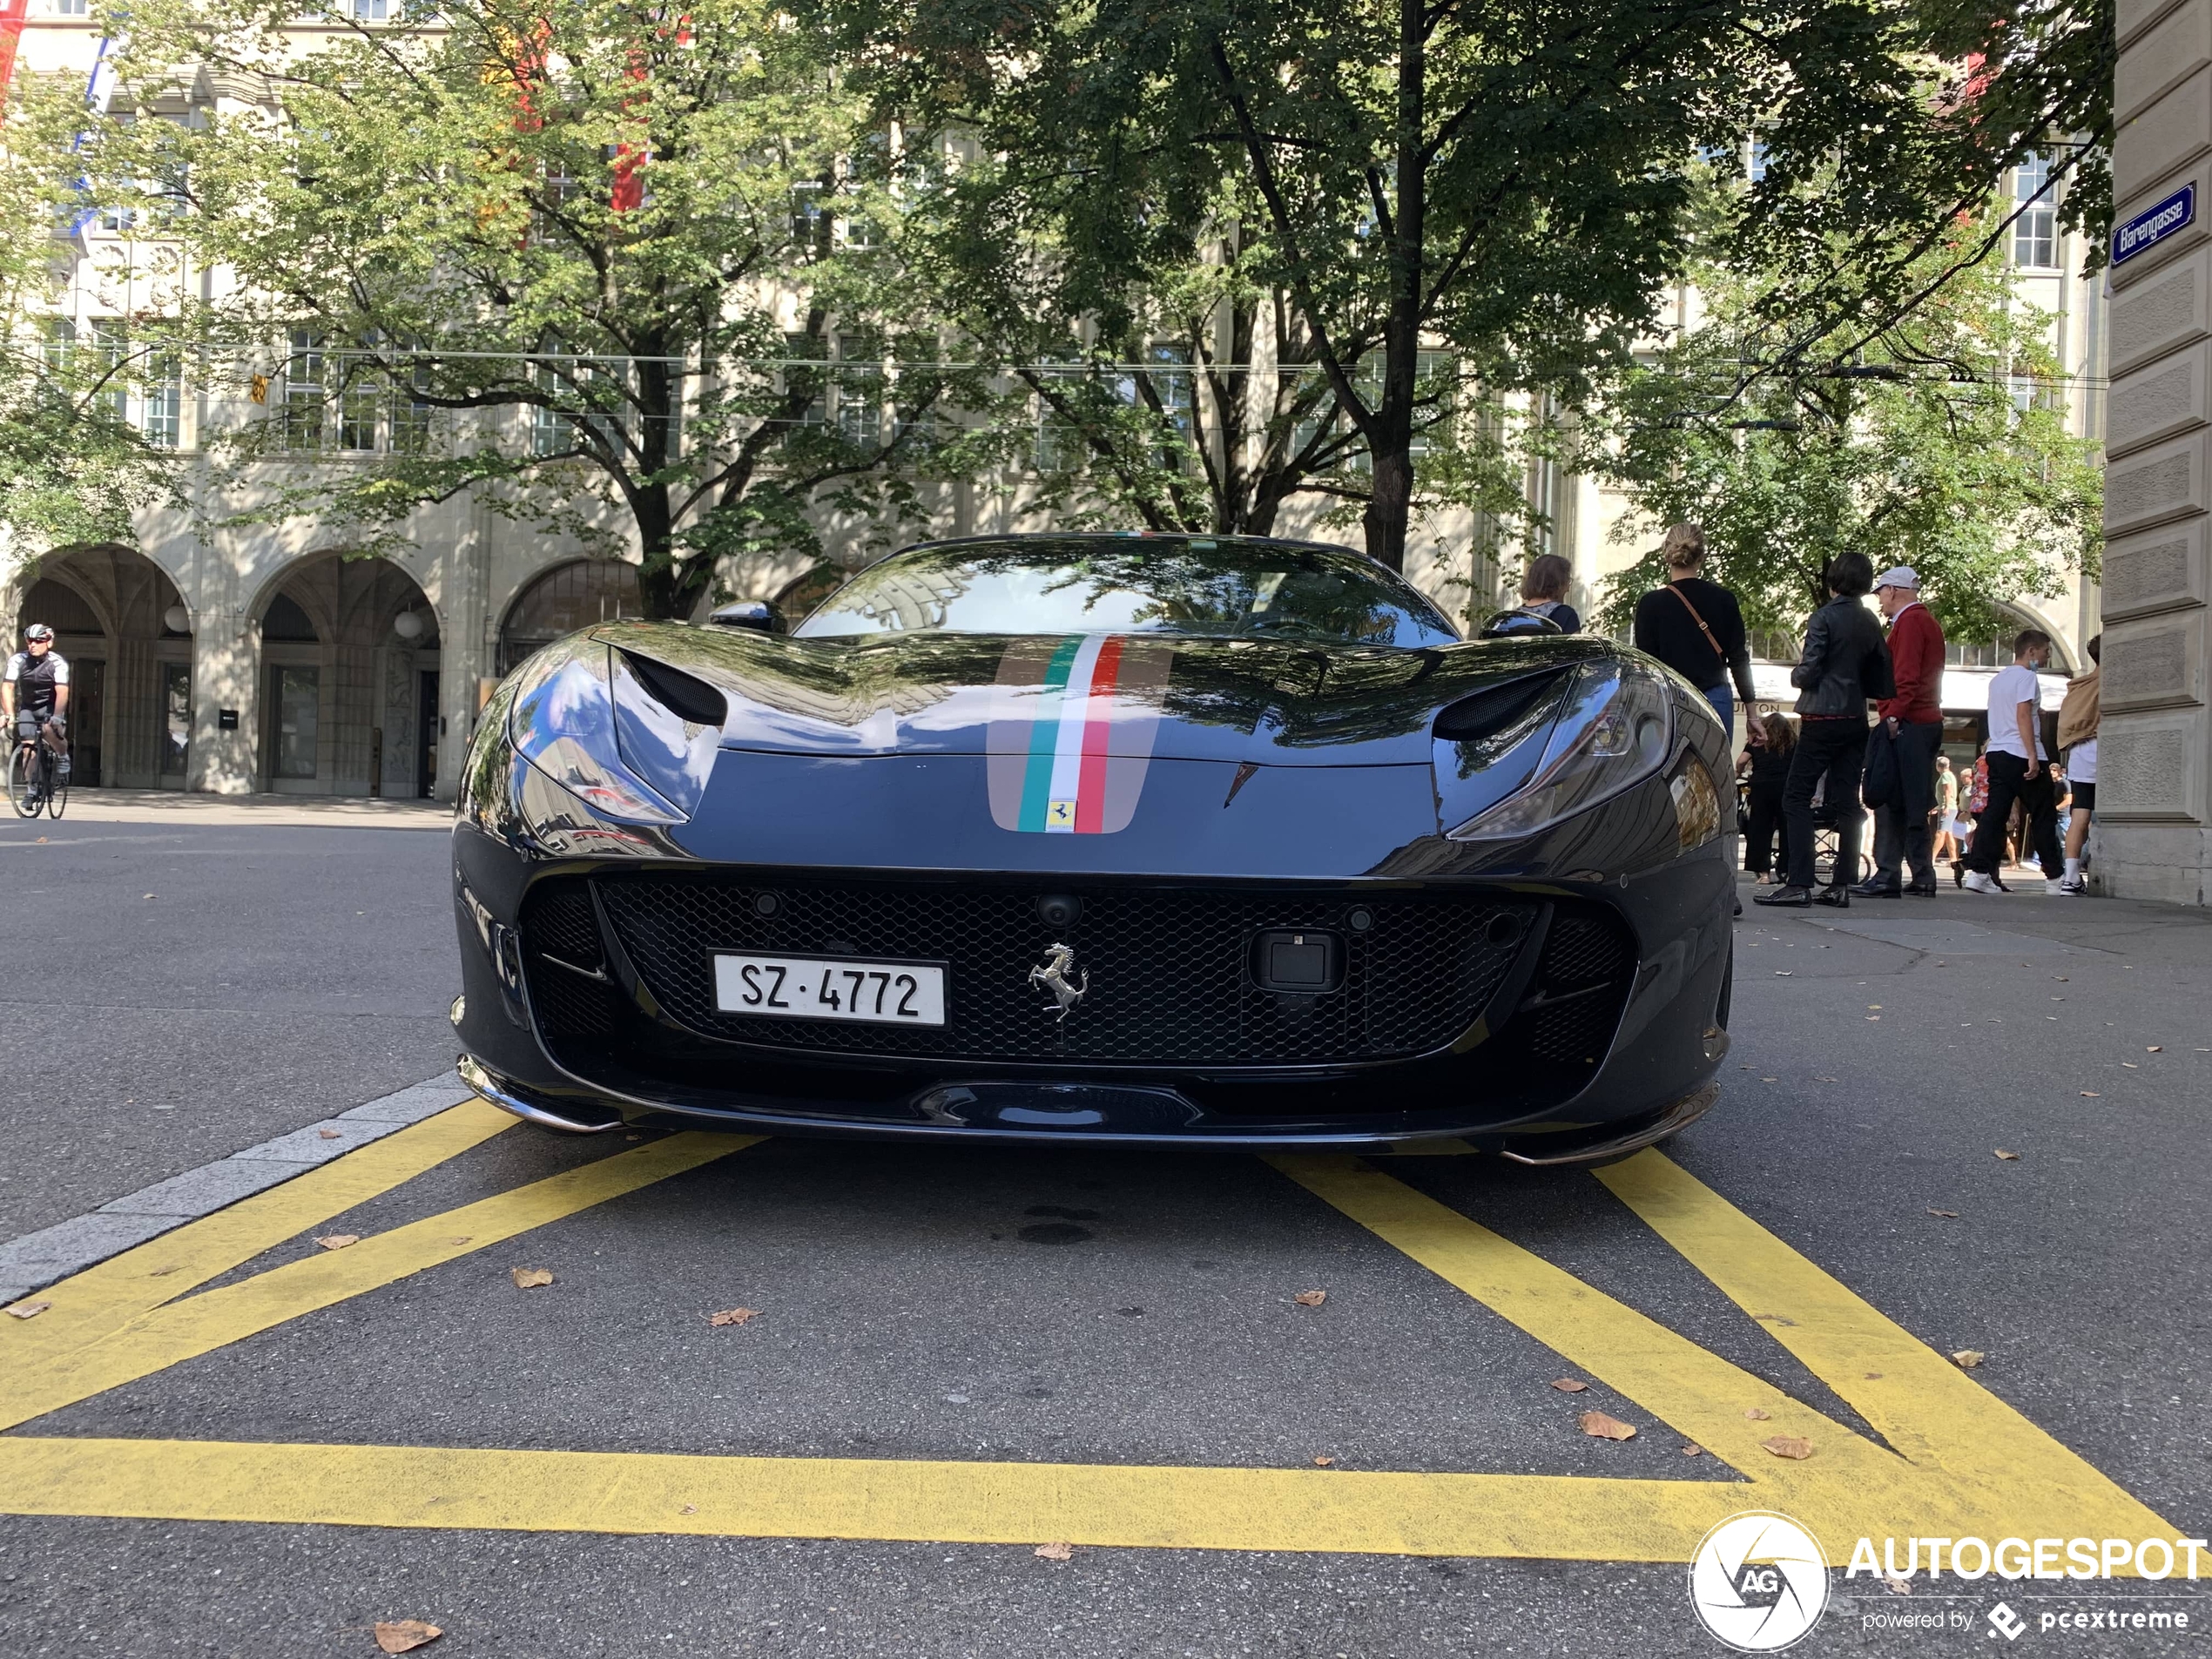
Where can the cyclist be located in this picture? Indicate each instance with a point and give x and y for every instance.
(36, 685)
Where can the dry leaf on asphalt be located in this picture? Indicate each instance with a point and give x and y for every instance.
(404, 1635)
(1323, 1462)
(1310, 1299)
(1968, 1359)
(1569, 1386)
(330, 1134)
(691, 1509)
(1948, 1215)
(2155, 1047)
(1757, 1415)
(2086, 1094)
(1054, 1552)
(1790, 1446)
(2010, 1157)
(2129, 1065)
(1693, 1451)
(460, 1238)
(1897, 1586)
(529, 1278)
(338, 1241)
(28, 1310)
(733, 1316)
(1598, 1426)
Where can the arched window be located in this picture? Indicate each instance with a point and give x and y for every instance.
(285, 620)
(63, 609)
(563, 600)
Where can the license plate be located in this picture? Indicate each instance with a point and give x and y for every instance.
(830, 988)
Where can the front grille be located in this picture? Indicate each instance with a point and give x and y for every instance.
(1580, 985)
(560, 936)
(1168, 968)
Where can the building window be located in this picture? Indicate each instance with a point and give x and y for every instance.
(176, 713)
(161, 404)
(2035, 231)
(297, 702)
(564, 599)
(73, 7)
(549, 432)
(303, 392)
(358, 406)
(369, 10)
(411, 413)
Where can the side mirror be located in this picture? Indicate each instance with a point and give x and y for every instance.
(1517, 625)
(761, 614)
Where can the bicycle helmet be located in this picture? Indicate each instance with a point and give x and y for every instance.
(37, 631)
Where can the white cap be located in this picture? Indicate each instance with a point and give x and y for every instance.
(1898, 576)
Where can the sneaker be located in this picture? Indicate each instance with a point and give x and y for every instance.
(1977, 882)
(63, 773)
(2076, 887)
(2053, 886)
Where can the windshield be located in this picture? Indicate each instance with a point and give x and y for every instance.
(1130, 584)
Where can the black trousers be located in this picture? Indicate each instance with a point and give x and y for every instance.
(2008, 782)
(1765, 829)
(1903, 831)
(1835, 750)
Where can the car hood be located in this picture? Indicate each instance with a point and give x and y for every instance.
(1172, 696)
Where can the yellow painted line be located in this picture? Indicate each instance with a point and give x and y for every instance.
(1536, 1516)
(104, 1297)
(1986, 1452)
(155, 1340)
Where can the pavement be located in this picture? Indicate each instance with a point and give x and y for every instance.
(237, 1437)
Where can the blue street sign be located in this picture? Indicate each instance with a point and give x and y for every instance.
(2154, 224)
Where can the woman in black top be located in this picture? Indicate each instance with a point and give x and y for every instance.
(1543, 591)
(1694, 626)
(1767, 759)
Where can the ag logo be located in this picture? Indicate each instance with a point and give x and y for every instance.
(1758, 1582)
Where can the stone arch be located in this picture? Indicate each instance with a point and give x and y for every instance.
(562, 598)
(131, 672)
(353, 710)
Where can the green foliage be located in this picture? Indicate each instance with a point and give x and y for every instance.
(546, 258)
(1942, 444)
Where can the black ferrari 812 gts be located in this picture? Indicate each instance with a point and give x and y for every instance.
(1117, 839)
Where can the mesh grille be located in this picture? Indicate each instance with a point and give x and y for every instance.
(557, 923)
(1584, 954)
(1168, 969)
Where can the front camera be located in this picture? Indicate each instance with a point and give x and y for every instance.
(1059, 910)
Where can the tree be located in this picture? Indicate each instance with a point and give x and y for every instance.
(73, 466)
(608, 268)
(1507, 181)
(1942, 443)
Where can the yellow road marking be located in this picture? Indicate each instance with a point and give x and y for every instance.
(1542, 1516)
(164, 1337)
(104, 1297)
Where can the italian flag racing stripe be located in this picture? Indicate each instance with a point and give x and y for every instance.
(1063, 789)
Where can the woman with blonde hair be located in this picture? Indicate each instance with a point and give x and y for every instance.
(1695, 626)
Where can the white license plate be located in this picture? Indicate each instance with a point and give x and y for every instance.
(830, 988)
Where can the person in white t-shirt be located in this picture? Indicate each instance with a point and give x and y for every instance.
(2077, 737)
(2019, 770)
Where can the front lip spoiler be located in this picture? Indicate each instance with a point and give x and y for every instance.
(1680, 1115)
(501, 1094)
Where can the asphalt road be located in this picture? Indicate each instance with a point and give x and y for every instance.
(1082, 1308)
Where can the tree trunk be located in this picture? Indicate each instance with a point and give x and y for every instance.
(1390, 438)
(1390, 508)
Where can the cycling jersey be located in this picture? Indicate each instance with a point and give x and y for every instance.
(35, 678)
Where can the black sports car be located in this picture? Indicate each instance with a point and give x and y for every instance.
(1126, 839)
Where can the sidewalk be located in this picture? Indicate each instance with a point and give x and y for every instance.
(176, 807)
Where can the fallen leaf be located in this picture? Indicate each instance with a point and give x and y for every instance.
(1794, 1446)
(1569, 1386)
(1693, 1451)
(2155, 1047)
(28, 1310)
(1782, 972)
(1968, 1359)
(42, 840)
(1773, 1318)
(164, 1273)
(1310, 1299)
(145, 895)
(460, 1238)
(2010, 1157)
(1873, 1376)
(1770, 1080)
(1757, 1415)
(1599, 1427)
(1874, 1018)
(733, 1316)
(1323, 1462)
(2130, 1065)
(329, 1134)
(2061, 978)
(338, 1241)
(404, 1635)
(1897, 1586)
(2091, 1094)
(529, 1278)
(1054, 1552)
(691, 1509)
(1877, 1007)
(1948, 1215)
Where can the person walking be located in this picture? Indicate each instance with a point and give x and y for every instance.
(1695, 626)
(1766, 759)
(1912, 721)
(2077, 737)
(1944, 843)
(1845, 662)
(1543, 591)
(2019, 771)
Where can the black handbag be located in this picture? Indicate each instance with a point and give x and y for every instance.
(1881, 786)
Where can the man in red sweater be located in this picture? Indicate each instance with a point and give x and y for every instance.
(1903, 830)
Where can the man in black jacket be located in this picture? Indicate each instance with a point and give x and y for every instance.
(1845, 662)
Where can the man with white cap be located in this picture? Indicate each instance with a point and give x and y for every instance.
(1904, 833)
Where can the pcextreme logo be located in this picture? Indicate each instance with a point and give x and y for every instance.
(1759, 1582)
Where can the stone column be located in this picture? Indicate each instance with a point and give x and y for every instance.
(2155, 744)
(226, 678)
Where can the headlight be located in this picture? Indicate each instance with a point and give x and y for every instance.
(585, 716)
(1614, 728)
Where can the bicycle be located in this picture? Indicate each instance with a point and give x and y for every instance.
(34, 772)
